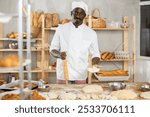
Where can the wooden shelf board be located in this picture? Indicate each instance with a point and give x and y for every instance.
(52, 28)
(15, 50)
(112, 29)
(24, 40)
(116, 60)
(36, 70)
(48, 70)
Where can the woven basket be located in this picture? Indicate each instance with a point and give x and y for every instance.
(97, 21)
(121, 55)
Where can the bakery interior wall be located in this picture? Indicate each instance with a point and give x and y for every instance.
(112, 10)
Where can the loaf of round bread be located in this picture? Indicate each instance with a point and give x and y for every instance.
(9, 61)
(124, 94)
(93, 89)
(67, 96)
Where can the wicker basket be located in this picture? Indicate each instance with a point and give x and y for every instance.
(97, 21)
(121, 55)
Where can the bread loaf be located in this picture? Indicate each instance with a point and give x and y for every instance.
(9, 61)
(40, 19)
(55, 19)
(107, 55)
(48, 20)
(113, 73)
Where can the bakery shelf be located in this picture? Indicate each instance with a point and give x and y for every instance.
(36, 70)
(111, 29)
(48, 70)
(24, 40)
(113, 60)
(15, 50)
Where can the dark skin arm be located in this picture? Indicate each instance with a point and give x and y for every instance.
(58, 54)
(63, 55)
(95, 60)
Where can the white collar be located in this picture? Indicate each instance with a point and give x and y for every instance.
(79, 27)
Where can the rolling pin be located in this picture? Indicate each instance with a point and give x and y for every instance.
(65, 69)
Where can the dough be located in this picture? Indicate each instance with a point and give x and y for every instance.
(94, 96)
(124, 94)
(107, 97)
(67, 96)
(52, 95)
(145, 95)
(83, 96)
(93, 89)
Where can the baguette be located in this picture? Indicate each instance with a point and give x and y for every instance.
(35, 19)
(113, 73)
(40, 20)
(104, 55)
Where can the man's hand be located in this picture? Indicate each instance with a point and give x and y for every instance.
(58, 54)
(63, 55)
(95, 60)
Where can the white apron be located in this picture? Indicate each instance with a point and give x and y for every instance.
(77, 49)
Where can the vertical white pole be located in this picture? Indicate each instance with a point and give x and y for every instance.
(21, 75)
(29, 45)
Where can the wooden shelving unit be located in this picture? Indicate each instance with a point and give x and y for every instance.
(125, 37)
(125, 32)
(5, 51)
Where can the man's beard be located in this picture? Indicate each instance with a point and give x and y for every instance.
(77, 21)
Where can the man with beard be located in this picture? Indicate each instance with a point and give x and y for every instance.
(74, 41)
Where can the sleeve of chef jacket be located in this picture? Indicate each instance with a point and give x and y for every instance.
(55, 44)
(94, 49)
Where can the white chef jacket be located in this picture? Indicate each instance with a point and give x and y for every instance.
(78, 43)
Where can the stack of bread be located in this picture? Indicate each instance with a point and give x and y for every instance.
(51, 20)
(107, 55)
(9, 61)
(36, 23)
(14, 35)
(36, 19)
(118, 72)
